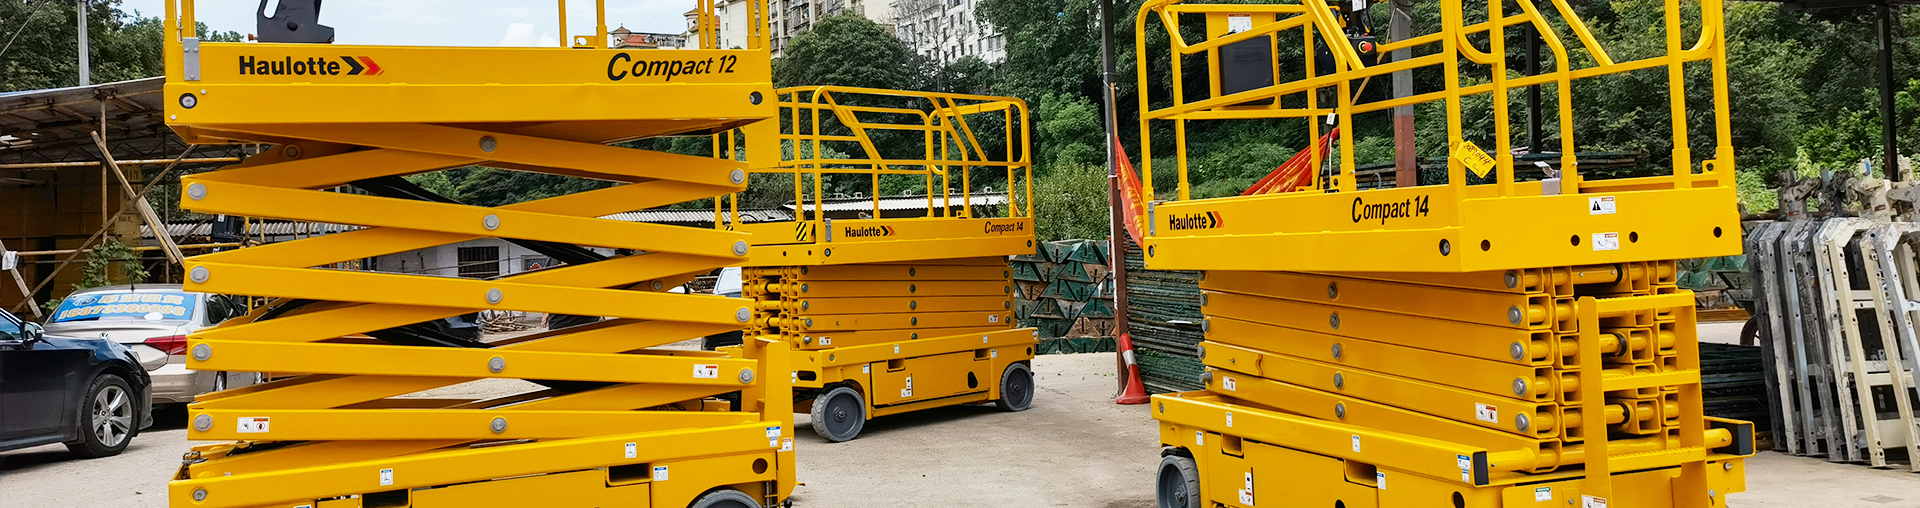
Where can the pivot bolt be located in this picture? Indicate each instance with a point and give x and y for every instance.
(804, 305)
(199, 494)
(806, 340)
(1206, 378)
(203, 423)
(1726, 466)
(1520, 421)
(200, 274)
(809, 322)
(1334, 320)
(291, 151)
(738, 177)
(657, 285)
(499, 425)
(743, 315)
(496, 364)
(1519, 386)
(1513, 279)
(487, 144)
(1446, 248)
(1339, 381)
(746, 376)
(1340, 411)
(1518, 351)
(495, 296)
(197, 191)
(202, 352)
(740, 248)
(491, 222)
(1333, 290)
(913, 304)
(1206, 326)
(912, 321)
(1513, 314)
(1336, 351)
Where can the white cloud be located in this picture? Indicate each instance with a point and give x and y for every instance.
(523, 35)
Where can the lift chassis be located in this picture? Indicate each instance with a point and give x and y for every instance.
(1512, 337)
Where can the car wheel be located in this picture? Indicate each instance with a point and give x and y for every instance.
(839, 414)
(106, 418)
(1016, 388)
(724, 498)
(1178, 484)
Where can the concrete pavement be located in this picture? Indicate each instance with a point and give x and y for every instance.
(1073, 449)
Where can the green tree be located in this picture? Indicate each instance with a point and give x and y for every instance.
(1069, 132)
(846, 50)
(38, 41)
(1070, 201)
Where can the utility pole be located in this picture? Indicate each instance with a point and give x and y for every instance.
(85, 79)
(1116, 227)
(1890, 151)
(1406, 172)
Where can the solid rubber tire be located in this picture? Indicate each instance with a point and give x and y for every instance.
(843, 425)
(1016, 388)
(724, 498)
(1177, 484)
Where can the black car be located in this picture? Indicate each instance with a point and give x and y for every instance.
(90, 394)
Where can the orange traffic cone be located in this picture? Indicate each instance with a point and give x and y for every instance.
(1136, 393)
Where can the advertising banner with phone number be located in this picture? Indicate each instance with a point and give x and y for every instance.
(125, 305)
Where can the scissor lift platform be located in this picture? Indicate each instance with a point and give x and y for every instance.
(613, 419)
(896, 314)
(1491, 341)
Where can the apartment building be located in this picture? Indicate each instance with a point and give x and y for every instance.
(947, 30)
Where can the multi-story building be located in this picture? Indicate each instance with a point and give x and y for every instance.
(947, 30)
(628, 39)
(943, 30)
(732, 16)
(790, 18)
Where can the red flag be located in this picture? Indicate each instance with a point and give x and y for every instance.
(1132, 195)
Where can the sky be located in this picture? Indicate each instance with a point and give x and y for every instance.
(446, 22)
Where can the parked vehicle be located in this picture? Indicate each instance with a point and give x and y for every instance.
(88, 393)
(728, 284)
(152, 320)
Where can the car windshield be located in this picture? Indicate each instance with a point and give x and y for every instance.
(126, 305)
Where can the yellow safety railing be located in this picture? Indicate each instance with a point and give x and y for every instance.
(707, 29)
(1456, 55)
(834, 130)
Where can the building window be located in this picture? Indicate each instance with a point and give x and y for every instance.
(479, 262)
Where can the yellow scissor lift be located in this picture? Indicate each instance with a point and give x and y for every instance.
(609, 419)
(1503, 343)
(895, 314)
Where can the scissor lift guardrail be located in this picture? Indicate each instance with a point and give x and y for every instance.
(896, 314)
(611, 420)
(1486, 342)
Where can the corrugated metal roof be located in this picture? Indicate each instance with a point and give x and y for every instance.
(893, 203)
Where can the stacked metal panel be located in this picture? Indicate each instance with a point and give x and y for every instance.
(1837, 304)
(1163, 316)
(1065, 290)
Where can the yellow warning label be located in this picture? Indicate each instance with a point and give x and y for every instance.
(1476, 160)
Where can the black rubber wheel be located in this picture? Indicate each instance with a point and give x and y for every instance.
(1016, 388)
(724, 498)
(839, 414)
(1750, 332)
(1178, 483)
(106, 418)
